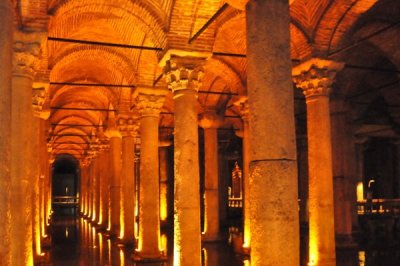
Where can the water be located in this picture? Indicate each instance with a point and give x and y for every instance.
(76, 242)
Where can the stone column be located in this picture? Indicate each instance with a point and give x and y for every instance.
(244, 113)
(341, 176)
(315, 77)
(164, 208)
(26, 52)
(6, 41)
(95, 185)
(149, 103)
(128, 129)
(274, 217)
(115, 181)
(104, 178)
(209, 122)
(184, 79)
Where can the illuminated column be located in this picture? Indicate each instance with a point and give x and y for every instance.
(209, 122)
(341, 176)
(104, 182)
(315, 77)
(184, 79)
(115, 181)
(274, 221)
(6, 41)
(244, 113)
(163, 154)
(149, 103)
(129, 130)
(95, 185)
(26, 52)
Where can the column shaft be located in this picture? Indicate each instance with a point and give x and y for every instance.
(35, 166)
(164, 208)
(115, 185)
(149, 216)
(6, 40)
(211, 230)
(274, 221)
(104, 187)
(127, 232)
(21, 174)
(321, 210)
(187, 240)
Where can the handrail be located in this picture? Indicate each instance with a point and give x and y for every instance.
(379, 207)
(65, 200)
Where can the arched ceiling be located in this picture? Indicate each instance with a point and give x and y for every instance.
(82, 102)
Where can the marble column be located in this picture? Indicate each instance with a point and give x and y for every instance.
(149, 103)
(129, 131)
(244, 114)
(6, 41)
(274, 217)
(315, 77)
(341, 176)
(115, 181)
(164, 208)
(396, 144)
(184, 76)
(26, 53)
(35, 185)
(210, 122)
(104, 178)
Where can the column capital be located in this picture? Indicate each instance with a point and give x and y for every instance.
(40, 100)
(128, 126)
(149, 101)
(210, 119)
(27, 51)
(184, 72)
(243, 105)
(316, 76)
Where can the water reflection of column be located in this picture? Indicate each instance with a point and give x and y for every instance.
(273, 167)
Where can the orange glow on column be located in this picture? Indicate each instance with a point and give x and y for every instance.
(163, 202)
(122, 257)
(122, 220)
(205, 214)
(360, 191)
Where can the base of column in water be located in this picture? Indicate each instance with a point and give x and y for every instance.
(212, 238)
(140, 257)
(345, 242)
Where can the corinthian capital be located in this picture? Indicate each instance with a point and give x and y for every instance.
(149, 101)
(128, 126)
(316, 76)
(40, 100)
(184, 72)
(27, 52)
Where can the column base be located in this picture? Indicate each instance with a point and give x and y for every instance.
(140, 257)
(127, 242)
(212, 238)
(237, 244)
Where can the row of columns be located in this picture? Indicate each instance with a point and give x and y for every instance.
(23, 179)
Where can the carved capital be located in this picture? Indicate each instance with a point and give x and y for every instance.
(243, 105)
(316, 76)
(27, 52)
(149, 101)
(40, 100)
(184, 73)
(128, 126)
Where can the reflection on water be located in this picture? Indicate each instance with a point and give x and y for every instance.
(78, 242)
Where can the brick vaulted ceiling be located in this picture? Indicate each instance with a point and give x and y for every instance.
(318, 28)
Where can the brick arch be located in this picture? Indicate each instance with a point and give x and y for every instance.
(134, 14)
(337, 19)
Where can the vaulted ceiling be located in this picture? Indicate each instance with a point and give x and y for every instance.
(364, 34)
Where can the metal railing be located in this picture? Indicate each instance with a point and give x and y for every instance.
(388, 207)
(69, 201)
